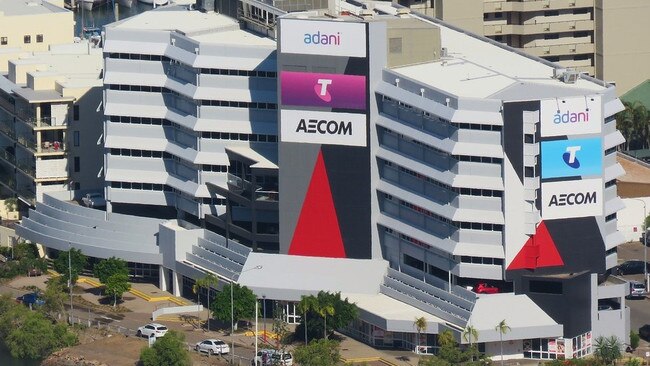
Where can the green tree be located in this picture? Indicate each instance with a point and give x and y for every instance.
(29, 334)
(108, 267)
(634, 339)
(169, 350)
(243, 304)
(470, 334)
(116, 285)
(281, 329)
(325, 308)
(24, 249)
(420, 325)
(207, 283)
(607, 349)
(321, 352)
(344, 313)
(77, 260)
(306, 304)
(502, 328)
(54, 297)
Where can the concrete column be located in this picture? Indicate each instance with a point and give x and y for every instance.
(177, 283)
(162, 278)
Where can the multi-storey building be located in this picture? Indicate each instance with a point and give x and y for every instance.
(414, 160)
(50, 121)
(591, 36)
(32, 26)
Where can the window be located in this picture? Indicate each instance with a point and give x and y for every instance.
(545, 287)
(77, 164)
(4, 41)
(395, 45)
(27, 39)
(75, 112)
(76, 138)
(39, 38)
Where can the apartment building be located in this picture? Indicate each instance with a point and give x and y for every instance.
(592, 36)
(32, 26)
(404, 153)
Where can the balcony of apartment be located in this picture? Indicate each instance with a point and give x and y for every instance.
(585, 66)
(26, 166)
(542, 50)
(538, 28)
(7, 176)
(245, 192)
(534, 5)
(416, 219)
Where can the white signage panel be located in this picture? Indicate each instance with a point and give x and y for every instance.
(571, 116)
(567, 199)
(328, 128)
(318, 37)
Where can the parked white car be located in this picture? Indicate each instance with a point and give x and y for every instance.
(152, 330)
(94, 200)
(267, 357)
(212, 346)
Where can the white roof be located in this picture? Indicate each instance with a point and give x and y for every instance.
(203, 27)
(521, 314)
(287, 277)
(478, 68)
(30, 7)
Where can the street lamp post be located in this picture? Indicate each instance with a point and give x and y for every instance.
(70, 279)
(232, 313)
(645, 244)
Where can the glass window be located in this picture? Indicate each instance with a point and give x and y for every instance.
(4, 41)
(76, 138)
(27, 39)
(39, 38)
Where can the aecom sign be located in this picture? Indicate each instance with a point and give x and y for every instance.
(571, 116)
(328, 128)
(314, 37)
(580, 198)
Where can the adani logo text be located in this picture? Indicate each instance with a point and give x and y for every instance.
(310, 89)
(322, 37)
(572, 158)
(571, 116)
(567, 199)
(328, 128)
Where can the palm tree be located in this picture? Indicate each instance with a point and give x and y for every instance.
(502, 328)
(470, 333)
(306, 304)
(420, 325)
(206, 282)
(324, 310)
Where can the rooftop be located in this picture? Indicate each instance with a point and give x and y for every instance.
(640, 94)
(31, 7)
(200, 26)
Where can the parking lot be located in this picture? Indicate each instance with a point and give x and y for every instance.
(639, 308)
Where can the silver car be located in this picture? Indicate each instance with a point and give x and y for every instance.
(212, 346)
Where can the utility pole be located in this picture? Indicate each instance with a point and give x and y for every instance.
(70, 279)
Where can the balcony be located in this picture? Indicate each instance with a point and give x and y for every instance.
(539, 28)
(534, 5)
(560, 49)
(417, 219)
(52, 147)
(415, 184)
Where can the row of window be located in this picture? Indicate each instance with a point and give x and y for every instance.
(141, 153)
(164, 188)
(26, 39)
(422, 266)
(141, 120)
(461, 191)
(481, 260)
(236, 104)
(231, 72)
(136, 56)
(139, 88)
(239, 136)
(475, 159)
(457, 224)
(466, 126)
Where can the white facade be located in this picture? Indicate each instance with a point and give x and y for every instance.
(173, 106)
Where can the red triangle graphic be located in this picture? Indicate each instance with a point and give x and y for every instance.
(317, 233)
(539, 251)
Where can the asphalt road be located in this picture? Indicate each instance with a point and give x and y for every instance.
(639, 308)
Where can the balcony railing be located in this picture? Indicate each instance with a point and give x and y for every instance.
(27, 167)
(52, 147)
(6, 155)
(27, 142)
(267, 196)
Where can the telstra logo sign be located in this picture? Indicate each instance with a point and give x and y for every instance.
(572, 158)
(323, 90)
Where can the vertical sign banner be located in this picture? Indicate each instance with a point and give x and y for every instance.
(571, 116)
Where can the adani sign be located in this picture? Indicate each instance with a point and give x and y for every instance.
(327, 38)
(571, 116)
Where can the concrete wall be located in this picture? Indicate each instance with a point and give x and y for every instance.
(511, 350)
(621, 56)
(466, 14)
(630, 219)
